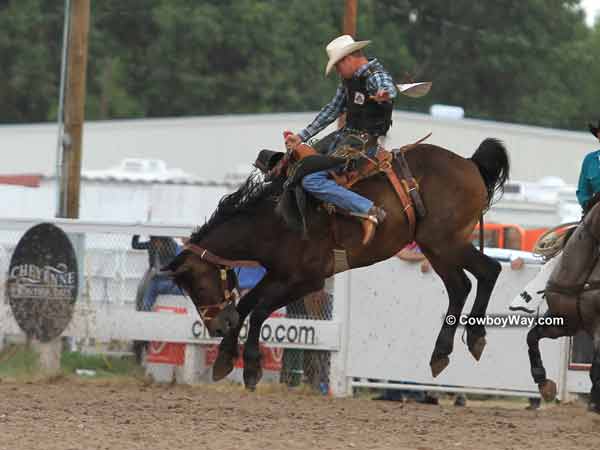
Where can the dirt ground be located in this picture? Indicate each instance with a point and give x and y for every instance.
(72, 414)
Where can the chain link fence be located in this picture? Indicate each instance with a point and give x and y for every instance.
(308, 366)
(121, 269)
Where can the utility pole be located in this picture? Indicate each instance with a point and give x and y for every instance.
(349, 25)
(69, 183)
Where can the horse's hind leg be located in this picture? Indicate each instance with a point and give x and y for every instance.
(458, 287)
(595, 374)
(546, 386)
(486, 270)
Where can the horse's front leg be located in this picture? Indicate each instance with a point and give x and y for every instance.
(595, 374)
(546, 386)
(278, 294)
(228, 348)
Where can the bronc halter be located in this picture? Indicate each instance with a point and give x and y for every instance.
(225, 266)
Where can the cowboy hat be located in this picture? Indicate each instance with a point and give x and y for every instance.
(340, 47)
(594, 129)
(414, 90)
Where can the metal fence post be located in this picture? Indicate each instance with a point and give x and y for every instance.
(339, 382)
(193, 365)
(563, 388)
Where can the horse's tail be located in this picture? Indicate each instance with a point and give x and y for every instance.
(492, 161)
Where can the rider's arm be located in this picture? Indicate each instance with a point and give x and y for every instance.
(584, 189)
(328, 114)
(381, 81)
(137, 245)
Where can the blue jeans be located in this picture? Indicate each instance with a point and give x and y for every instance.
(159, 286)
(325, 189)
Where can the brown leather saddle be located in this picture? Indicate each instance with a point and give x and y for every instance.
(392, 163)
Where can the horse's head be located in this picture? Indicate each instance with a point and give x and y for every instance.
(210, 285)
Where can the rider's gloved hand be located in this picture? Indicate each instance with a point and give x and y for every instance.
(292, 140)
(381, 96)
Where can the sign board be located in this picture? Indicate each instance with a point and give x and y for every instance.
(272, 357)
(161, 352)
(42, 282)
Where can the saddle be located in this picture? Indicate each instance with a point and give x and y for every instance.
(303, 160)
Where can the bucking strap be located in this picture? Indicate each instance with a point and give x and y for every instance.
(412, 187)
(385, 166)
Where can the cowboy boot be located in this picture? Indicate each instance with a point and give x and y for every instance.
(374, 217)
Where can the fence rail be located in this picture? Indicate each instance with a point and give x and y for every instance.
(377, 330)
(108, 306)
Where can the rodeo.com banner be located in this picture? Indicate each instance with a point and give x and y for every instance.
(275, 330)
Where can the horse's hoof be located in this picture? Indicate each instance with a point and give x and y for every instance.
(223, 365)
(251, 379)
(250, 382)
(438, 365)
(476, 348)
(548, 390)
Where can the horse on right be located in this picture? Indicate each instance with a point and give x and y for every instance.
(573, 294)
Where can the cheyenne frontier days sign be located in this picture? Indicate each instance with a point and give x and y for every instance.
(43, 281)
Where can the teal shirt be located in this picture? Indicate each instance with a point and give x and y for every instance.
(589, 178)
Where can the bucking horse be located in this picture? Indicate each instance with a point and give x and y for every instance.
(247, 228)
(572, 294)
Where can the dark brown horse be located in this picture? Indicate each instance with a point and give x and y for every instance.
(572, 295)
(456, 191)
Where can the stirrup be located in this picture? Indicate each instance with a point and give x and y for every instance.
(369, 217)
(375, 215)
(369, 222)
(368, 227)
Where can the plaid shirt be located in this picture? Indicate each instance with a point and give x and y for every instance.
(380, 80)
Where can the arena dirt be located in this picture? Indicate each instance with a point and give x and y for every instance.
(70, 414)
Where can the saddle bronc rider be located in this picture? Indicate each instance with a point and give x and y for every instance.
(365, 94)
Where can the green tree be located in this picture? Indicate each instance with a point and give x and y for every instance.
(588, 71)
(490, 57)
(29, 47)
(513, 60)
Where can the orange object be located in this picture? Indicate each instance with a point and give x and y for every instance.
(27, 180)
(302, 151)
(167, 352)
(272, 358)
(509, 236)
(531, 237)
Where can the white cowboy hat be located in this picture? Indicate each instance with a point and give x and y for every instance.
(340, 47)
(415, 90)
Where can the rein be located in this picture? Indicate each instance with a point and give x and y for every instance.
(225, 266)
(210, 257)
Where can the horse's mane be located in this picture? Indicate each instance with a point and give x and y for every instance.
(244, 200)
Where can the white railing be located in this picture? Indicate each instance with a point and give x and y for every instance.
(111, 272)
(384, 322)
